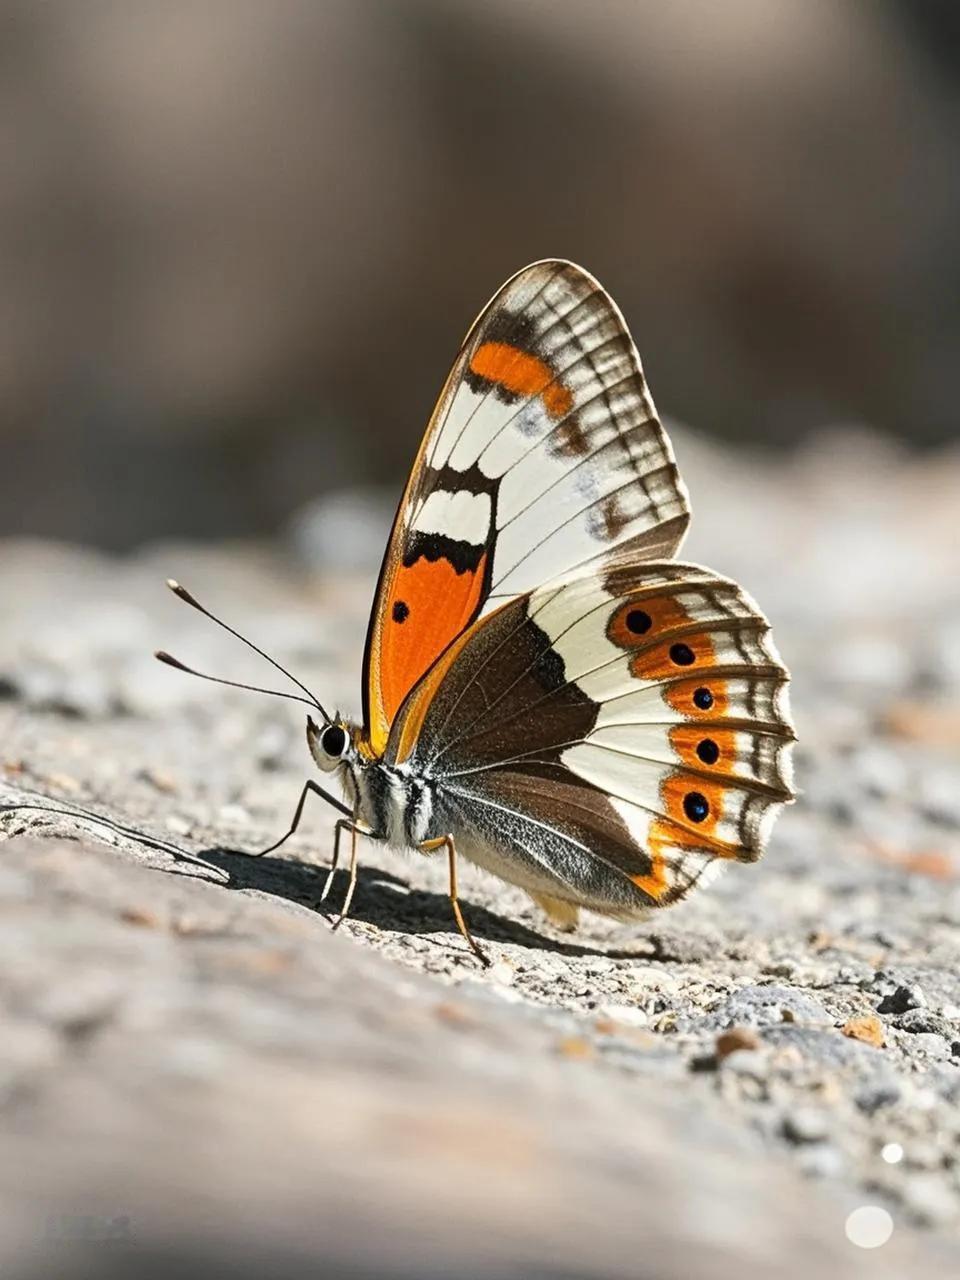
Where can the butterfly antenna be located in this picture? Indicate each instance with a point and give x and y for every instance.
(183, 594)
(171, 661)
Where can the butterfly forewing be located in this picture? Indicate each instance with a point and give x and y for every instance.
(544, 454)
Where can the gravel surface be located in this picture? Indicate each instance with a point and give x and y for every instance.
(195, 1067)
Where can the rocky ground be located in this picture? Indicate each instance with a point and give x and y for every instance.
(193, 1068)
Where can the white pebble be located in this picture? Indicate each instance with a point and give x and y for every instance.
(626, 1014)
(869, 1227)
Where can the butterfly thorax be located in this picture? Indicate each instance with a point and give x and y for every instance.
(395, 801)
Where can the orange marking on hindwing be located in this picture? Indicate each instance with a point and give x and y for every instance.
(665, 614)
(681, 697)
(636, 624)
(677, 831)
(429, 604)
(686, 738)
(523, 374)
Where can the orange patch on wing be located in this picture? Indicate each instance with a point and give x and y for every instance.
(677, 831)
(665, 614)
(685, 738)
(438, 603)
(639, 622)
(680, 696)
(655, 663)
(523, 374)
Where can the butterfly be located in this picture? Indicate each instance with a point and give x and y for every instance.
(547, 690)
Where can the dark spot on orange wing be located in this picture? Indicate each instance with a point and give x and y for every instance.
(682, 696)
(665, 614)
(638, 622)
(441, 603)
(679, 832)
(688, 742)
(661, 660)
(400, 611)
(521, 374)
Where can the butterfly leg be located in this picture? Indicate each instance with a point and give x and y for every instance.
(343, 825)
(309, 786)
(430, 846)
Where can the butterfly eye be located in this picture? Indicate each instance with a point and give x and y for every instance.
(333, 740)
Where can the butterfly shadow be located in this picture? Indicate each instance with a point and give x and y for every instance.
(381, 898)
(386, 901)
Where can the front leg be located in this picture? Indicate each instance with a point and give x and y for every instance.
(308, 786)
(341, 825)
(430, 846)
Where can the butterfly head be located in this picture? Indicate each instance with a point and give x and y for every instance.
(333, 745)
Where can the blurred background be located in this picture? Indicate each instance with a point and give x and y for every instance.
(240, 242)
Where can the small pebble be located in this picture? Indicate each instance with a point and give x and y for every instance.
(163, 782)
(141, 916)
(748, 1062)
(869, 1029)
(576, 1048)
(806, 1124)
(902, 999)
(626, 1015)
(735, 1039)
(501, 973)
(454, 1015)
(653, 979)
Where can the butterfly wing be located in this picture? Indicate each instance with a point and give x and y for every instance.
(544, 453)
(613, 737)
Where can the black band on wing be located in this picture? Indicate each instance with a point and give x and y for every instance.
(464, 556)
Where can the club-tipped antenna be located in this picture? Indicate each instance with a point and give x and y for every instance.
(183, 594)
(162, 656)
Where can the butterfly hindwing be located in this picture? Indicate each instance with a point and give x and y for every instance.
(629, 728)
(544, 454)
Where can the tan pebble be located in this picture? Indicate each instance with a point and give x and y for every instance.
(735, 1038)
(63, 782)
(142, 916)
(269, 960)
(454, 1015)
(159, 780)
(869, 1029)
(577, 1048)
